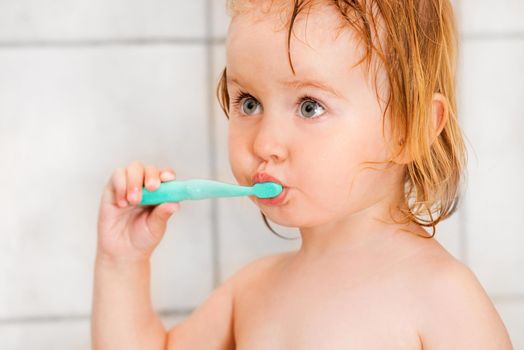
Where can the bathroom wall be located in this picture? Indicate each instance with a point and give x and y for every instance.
(88, 86)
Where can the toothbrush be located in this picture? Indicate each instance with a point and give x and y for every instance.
(179, 190)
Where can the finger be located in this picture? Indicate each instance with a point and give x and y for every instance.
(135, 181)
(157, 220)
(152, 178)
(119, 187)
(167, 174)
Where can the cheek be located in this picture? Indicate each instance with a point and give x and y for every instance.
(324, 166)
(234, 151)
(238, 154)
(330, 165)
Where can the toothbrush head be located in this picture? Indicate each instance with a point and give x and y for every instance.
(267, 189)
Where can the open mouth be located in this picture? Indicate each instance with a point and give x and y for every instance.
(275, 200)
(264, 177)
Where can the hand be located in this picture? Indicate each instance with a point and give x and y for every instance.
(126, 231)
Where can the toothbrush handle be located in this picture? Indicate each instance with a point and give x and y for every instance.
(169, 191)
(203, 188)
(179, 190)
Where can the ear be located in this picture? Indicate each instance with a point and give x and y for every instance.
(439, 114)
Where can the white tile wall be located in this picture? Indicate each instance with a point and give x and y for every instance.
(69, 117)
(23, 20)
(511, 311)
(49, 335)
(220, 18)
(492, 104)
(485, 17)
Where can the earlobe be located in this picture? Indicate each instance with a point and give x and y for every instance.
(403, 157)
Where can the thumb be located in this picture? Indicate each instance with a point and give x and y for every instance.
(157, 219)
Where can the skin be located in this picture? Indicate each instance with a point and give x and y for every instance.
(358, 280)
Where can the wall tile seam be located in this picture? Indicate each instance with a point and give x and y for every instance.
(492, 36)
(46, 319)
(58, 43)
(510, 298)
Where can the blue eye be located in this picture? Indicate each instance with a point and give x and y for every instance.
(308, 107)
(249, 106)
(246, 105)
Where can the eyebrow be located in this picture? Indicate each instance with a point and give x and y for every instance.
(296, 84)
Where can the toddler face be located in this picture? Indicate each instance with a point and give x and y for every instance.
(314, 140)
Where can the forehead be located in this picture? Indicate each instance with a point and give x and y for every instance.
(320, 45)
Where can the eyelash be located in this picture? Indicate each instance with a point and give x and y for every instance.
(242, 94)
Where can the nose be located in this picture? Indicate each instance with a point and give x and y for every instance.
(271, 139)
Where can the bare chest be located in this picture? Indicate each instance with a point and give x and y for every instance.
(319, 309)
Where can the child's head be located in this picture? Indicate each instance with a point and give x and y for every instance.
(354, 111)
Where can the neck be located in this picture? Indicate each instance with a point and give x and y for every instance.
(356, 231)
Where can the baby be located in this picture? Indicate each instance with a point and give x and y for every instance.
(354, 113)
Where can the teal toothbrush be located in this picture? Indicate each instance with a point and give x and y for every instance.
(179, 190)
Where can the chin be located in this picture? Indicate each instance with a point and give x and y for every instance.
(285, 218)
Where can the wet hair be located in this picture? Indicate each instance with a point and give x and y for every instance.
(415, 43)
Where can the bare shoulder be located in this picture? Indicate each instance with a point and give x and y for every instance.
(257, 270)
(215, 316)
(453, 309)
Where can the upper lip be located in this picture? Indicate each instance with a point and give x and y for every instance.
(265, 177)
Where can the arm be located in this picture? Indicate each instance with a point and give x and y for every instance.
(122, 315)
(460, 314)
(122, 312)
(127, 234)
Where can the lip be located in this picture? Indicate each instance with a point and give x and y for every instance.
(264, 177)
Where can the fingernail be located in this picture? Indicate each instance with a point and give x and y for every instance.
(134, 194)
(153, 183)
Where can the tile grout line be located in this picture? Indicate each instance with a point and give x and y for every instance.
(76, 43)
(208, 40)
(79, 317)
(497, 298)
(463, 235)
(507, 298)
(460, 210)
(497, 36)
(215, 231)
